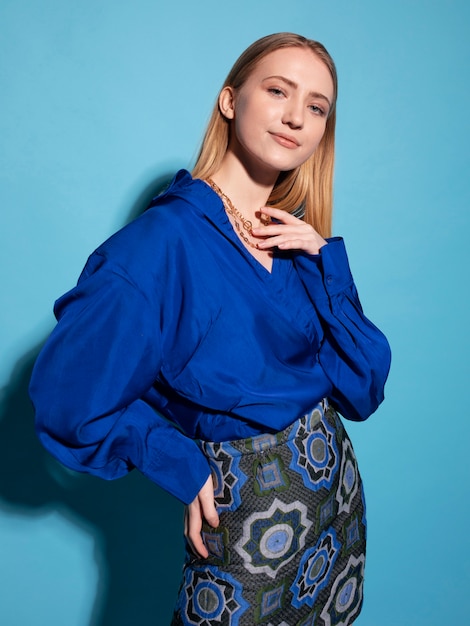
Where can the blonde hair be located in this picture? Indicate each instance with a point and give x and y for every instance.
(309, 186)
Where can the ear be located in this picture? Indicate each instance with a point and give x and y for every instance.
(227, 103)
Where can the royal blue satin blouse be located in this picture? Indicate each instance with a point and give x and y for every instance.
(176, 333)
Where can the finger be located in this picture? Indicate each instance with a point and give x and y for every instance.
(275, 242)
(202, 507)
(306, 244)
(193, 526)
(288, 220)
(283, 237)
(206, 501)
(283, 229)
(279, 214)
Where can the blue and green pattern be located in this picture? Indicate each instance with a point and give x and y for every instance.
(290, 546)
(272, 538)
(344, 603)
(315, 569)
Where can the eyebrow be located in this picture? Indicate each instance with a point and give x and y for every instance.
(294, 85)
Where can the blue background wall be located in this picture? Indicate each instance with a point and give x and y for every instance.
(99, 102)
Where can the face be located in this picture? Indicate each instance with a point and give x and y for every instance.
(278, 116)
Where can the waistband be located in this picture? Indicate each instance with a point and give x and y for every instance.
(267, 441)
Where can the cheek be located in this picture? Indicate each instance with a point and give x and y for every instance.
(252, 113)
(317, 136)
(246, 124)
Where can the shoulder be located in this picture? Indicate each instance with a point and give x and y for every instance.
(170, 219)
(149, 243)
(168, 216)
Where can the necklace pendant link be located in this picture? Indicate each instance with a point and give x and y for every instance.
(235, 213)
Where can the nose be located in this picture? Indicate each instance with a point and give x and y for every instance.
(293, 113)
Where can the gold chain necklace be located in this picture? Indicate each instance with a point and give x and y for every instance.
(235, 213)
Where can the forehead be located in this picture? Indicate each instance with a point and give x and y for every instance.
(300, 65)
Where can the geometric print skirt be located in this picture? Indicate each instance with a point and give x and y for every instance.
(290, 546)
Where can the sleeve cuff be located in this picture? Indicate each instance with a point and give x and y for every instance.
(180, 467)
(328, 270)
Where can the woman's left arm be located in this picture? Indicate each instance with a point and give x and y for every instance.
(354, 354)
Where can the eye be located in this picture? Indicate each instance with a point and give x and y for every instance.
(276, 91)
(317, 110)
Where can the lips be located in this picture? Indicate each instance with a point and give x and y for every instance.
(285, 140)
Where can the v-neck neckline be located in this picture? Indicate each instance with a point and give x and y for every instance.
(260, 269)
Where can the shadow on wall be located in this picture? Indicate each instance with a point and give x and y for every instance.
(136, 526)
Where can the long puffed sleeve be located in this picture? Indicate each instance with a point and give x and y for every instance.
(92, 380)
(354, 353)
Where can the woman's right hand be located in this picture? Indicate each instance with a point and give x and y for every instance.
(201, 508)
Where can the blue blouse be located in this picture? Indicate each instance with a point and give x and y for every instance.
(175, 332)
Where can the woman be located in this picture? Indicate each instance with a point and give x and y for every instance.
(208, 344)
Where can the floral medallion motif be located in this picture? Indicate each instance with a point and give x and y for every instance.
(227, 476)
(314, 452)
(345, 599)
(271, 538)
(210, 596)
(270, 600)
(315, 569)
(269, 475)
(349, 479)
(353, 533)
(216, 541)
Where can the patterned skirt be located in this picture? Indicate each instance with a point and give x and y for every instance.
(290, 547)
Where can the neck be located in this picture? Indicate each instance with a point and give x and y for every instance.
(248, 190)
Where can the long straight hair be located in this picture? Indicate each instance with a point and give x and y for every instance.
(308, 187)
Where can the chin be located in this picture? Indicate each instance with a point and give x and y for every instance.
(286, 167)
